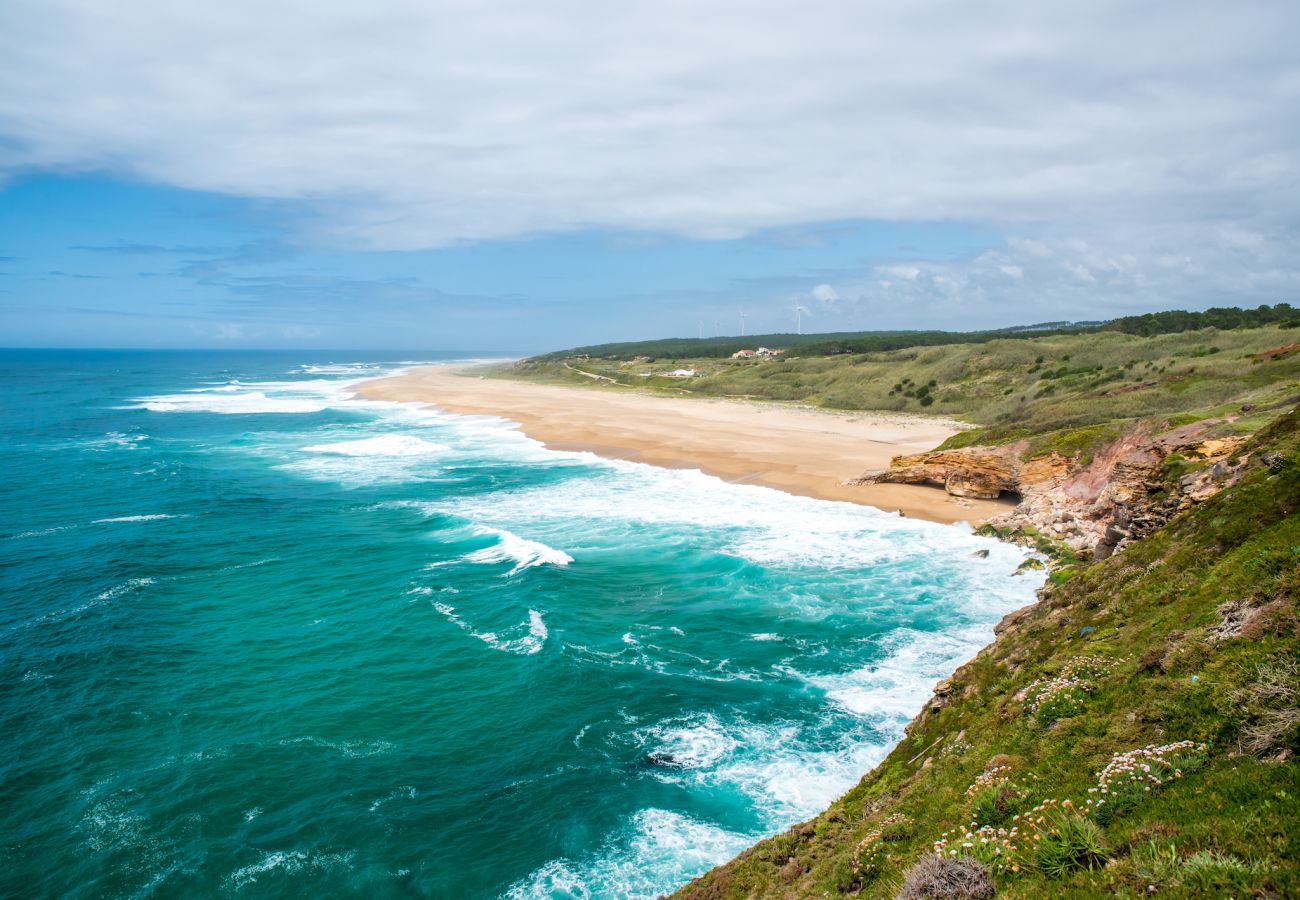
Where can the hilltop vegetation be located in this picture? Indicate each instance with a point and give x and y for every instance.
(1011, 387)
(1131, 734)
(1169, 322)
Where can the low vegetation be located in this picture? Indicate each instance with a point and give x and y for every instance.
(1131, 734)
(1065, 392)
(1169, 322)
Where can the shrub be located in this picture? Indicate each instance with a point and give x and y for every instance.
(1056, 698)
(1270, 705)
(935, 876)
(995, 805)
(1072, 842)
(897, 827)
(1130, 777)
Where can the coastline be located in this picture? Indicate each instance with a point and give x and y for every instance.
(800, 451)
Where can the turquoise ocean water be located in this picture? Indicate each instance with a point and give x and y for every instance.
(261, 638)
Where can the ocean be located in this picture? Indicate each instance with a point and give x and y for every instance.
(261, 638)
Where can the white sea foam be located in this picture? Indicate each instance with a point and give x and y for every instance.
(226, 403)
(693, 743)
(757, 524)
(154, 517)
(118, 440)
(350, 749)
(524, 639)
(892, 690)
(384, 445)
(101, 599)
(42, 532)
(235, 398)
(786, 771)
(353, 369)
(657, 850)
(405, 792)
(126, 587)
(289, 862)
(510, 547)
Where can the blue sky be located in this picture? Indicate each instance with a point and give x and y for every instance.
(491, 177)
(110, 263)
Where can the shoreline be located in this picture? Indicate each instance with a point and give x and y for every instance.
(800, 451)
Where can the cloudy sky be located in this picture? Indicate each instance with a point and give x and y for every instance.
(501, 175)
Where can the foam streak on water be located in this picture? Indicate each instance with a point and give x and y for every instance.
(268, 638)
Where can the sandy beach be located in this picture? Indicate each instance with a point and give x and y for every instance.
(801, 451)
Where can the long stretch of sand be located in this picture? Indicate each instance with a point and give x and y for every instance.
(801, 451)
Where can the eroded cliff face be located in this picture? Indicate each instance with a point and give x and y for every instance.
(1094, 505)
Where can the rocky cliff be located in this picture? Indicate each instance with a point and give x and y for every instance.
(1095, 501)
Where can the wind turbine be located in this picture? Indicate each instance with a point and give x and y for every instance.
(743, 316)
(798, 320)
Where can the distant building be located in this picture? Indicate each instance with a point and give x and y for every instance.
(681, 373)
(765, 353)
(744, 354)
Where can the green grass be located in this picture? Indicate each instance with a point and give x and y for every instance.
(1010, 388)
(1144, 631)
(1168, 322)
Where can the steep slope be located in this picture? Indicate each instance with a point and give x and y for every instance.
(1132, 733)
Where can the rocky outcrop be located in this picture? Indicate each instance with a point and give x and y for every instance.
(981, 472)
(1094, 506)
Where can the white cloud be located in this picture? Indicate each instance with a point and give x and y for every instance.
(1108, 274)
(824, 293)
(404, 123)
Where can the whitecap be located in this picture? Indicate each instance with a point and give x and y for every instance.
(530, 636)
(349, 749)
(154, 517)
(405, 792)
(229, 403)
(399, 445)
(510, 547)
(127, 587)
(288, 861)
(42, 532)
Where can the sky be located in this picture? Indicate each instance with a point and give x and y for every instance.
(507, 176)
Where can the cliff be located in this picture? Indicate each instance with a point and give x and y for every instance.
(1131, 733)
(1095, 499)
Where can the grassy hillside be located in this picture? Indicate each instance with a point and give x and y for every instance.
(1012, 387)
(1133, 733)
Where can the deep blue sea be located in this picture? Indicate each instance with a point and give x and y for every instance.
(261, 638)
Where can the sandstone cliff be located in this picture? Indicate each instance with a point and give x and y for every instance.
(1092, 503)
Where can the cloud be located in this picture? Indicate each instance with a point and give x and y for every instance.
(404, 124)
(824, 293)
(1094, 277)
